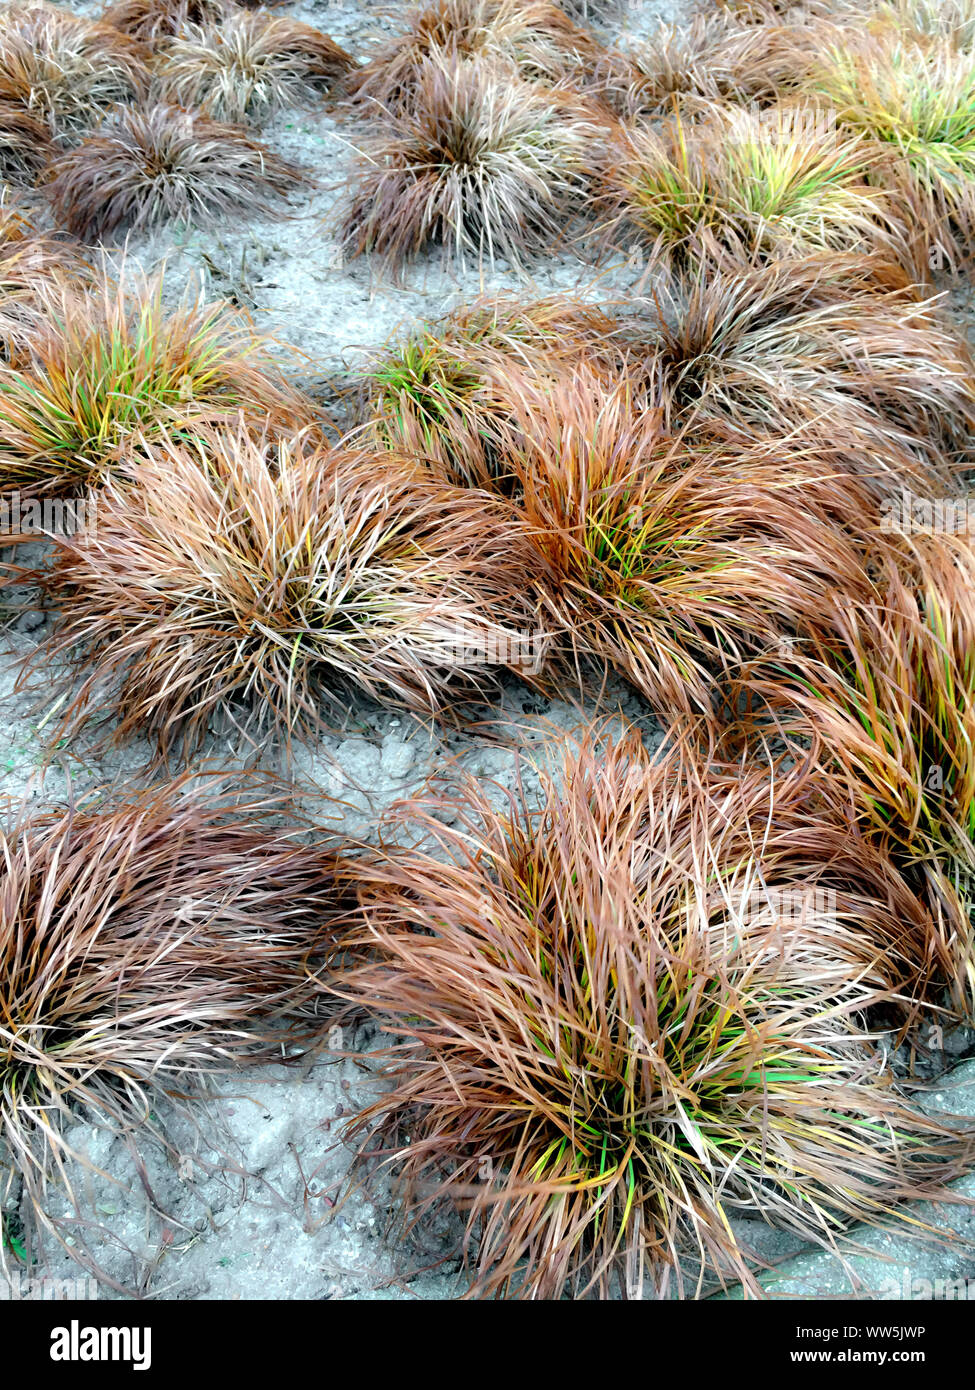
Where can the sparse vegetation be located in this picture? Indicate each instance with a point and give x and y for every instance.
(682, 443)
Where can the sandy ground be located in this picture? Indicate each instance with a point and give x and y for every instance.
(250, 1193)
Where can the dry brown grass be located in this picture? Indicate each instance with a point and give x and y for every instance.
(819, 341)
(481, 164)
(887, 709)
(25, 144)
(147, 943)
(66, 70)
(163, 164)
(712, 58)
(255, 584)
(150, 20)
(244, 65)
(631, 1013)
(678, 554)
(537, 38)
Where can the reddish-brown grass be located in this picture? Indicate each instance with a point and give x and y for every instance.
(629, 1013)
(230, 578)
(147, 943)
(242, 66)
(820, 340)
(481, 163)
(678, 554)
(163, 164)
(149, 20)
(64, 69)
(535, 37)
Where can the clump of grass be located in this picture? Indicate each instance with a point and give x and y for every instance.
(889, 707)
(535, 37)
(66, 70)
(25, 144)
(752, 183)
(940, 19)
(680, 553)
(233, 579)
(104, 366)
(442, 395)
(164, 164)
(713, 58)
(147, 943)
(831, 341)
(150, 20)
(481, 164)
(914, 103)
(613, 1035)
(245, 65)
(30, 262)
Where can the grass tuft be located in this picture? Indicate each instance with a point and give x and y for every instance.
(538, 39)
(828, 341)
(246, 65)
(483, 164)
(236, 580)
(65, 70)
(680, 553)
(146, 944)
(163, 164)
(752, 183)
(914, 103)
(105, 366)
(629, 1014)
(443, 395)
(146, 21)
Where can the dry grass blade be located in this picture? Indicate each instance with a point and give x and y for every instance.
(246, 65)
(228, 578)
(105, 365)
(25, 145)
(163, 164)
(614, 1032)
(64, 69)
(146, 945)
(482, 163)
